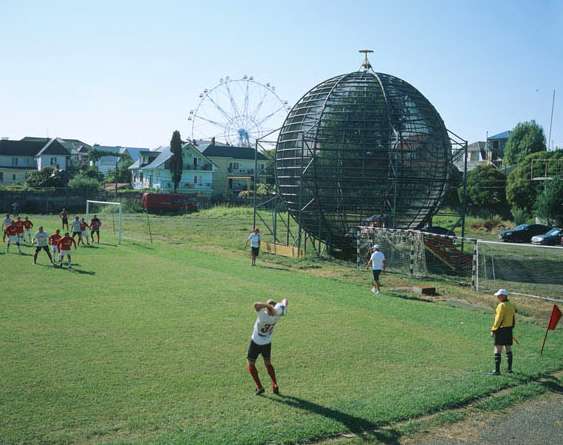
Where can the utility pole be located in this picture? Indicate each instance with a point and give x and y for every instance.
(551, 120)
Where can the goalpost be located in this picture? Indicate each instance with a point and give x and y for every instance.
(90, 203)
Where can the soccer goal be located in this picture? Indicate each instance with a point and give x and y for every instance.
(111, 211)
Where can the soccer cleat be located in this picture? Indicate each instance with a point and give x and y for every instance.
(373, 290)
(276, 389)
(259, 391)
(494, 373)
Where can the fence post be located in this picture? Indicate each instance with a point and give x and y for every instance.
(358, 249)
(411, 259)
(475, 267)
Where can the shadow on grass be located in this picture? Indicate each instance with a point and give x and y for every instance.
(83, 272)
(281, 269)
(552, 384)
(364, 428)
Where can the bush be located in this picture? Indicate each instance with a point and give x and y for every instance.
(520, 216)
(526, 138)
(549, 204)
(48, 177)
(84, 183)
(486, 191)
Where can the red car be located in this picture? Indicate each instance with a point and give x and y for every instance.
(168, 203)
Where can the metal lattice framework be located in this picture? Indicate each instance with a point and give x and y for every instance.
(359, 146)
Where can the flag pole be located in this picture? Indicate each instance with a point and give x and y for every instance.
(544, 339)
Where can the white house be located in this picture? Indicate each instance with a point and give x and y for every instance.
(107, 163)
(19, 158)
(151, 171)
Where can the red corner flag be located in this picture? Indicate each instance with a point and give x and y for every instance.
(553, 320)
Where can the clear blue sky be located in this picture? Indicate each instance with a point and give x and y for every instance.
(128, 72)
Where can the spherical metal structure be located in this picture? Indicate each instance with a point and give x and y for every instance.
(359, 146)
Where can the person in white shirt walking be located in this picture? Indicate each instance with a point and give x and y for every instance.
(41, 239)
(377, 263)
(254, 239)
(267, 315)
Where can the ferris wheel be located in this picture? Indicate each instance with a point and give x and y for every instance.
(237, 111)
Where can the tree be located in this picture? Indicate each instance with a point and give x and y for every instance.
(526, 138)
(549, 204)
(121, 172)
(521, 191)
(84, 183)
(486, 190)
(453, 199)
(48, 177)
(176, 163)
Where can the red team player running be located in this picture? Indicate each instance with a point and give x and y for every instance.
(268, 314)
(54, 243)
(65, 245)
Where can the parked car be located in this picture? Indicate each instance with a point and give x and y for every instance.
(552, 238)
(168, 203)
(523, 233)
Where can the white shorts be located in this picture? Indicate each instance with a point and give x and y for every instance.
(85, 233)
(54, 249)
(64, 252)
(14, 239)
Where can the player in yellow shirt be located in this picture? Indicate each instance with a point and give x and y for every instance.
(505, 319)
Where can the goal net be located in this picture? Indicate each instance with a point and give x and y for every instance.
(111, 216)
(524, 269)
(417, 253)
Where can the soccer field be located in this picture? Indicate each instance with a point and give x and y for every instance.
(146, 343)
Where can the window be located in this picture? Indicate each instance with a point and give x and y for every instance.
(261, 166)
(195, 178)
(1, 176)
(230, 183)
(14, 162)
(14, 177)
(195, 163)
(53, 161)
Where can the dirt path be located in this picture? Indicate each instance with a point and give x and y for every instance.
(536, 422)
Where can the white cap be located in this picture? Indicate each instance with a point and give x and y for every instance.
(376, 246)
(501, 292)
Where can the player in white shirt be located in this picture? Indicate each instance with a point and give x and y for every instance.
(254, 239)
(76, 229)
(41, 240)
(268, 314)
(5, 224)
(377, 262)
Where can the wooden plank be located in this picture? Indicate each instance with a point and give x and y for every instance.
(283, 250)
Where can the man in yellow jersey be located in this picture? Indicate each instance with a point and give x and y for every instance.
(505, 319)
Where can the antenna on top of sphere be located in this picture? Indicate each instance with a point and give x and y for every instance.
(366, 65)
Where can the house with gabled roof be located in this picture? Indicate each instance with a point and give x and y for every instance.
(78, 149)
(19, 158)
(235, 167)
(151, 171)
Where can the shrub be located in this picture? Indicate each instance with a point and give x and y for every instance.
(84, 183)
(549, 204)
(520, 216)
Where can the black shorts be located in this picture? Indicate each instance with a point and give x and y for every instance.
(65, 222)
(76, 233)
(95, 231)
(38, 249)
(255, 251)
(255, 350)
(376, 274)
(503, 337)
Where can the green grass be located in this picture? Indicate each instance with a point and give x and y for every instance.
(146, 344)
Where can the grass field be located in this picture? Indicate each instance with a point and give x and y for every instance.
(146, 343)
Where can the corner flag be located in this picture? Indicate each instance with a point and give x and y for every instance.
(553, 320)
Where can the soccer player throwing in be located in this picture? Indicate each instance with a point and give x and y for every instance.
(377, 262)
(27, 226)
(11, 233)
(95, 225)
(41, 239)
(65, 246)
(254, 239)
(267, 315)
(54, 242)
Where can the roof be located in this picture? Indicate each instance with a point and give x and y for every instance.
(230, 151)
(164, 153)
(503, 135)
(32, 147)
(72, 145)
(114, 150)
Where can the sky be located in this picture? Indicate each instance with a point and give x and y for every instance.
(128, 72)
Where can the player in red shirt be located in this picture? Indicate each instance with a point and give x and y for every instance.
(65, 245)
(11, 233)
(20, 229)
(28, 225)
(54, 243)
(95, 225)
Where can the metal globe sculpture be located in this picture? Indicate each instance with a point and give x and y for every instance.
(361, 146)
